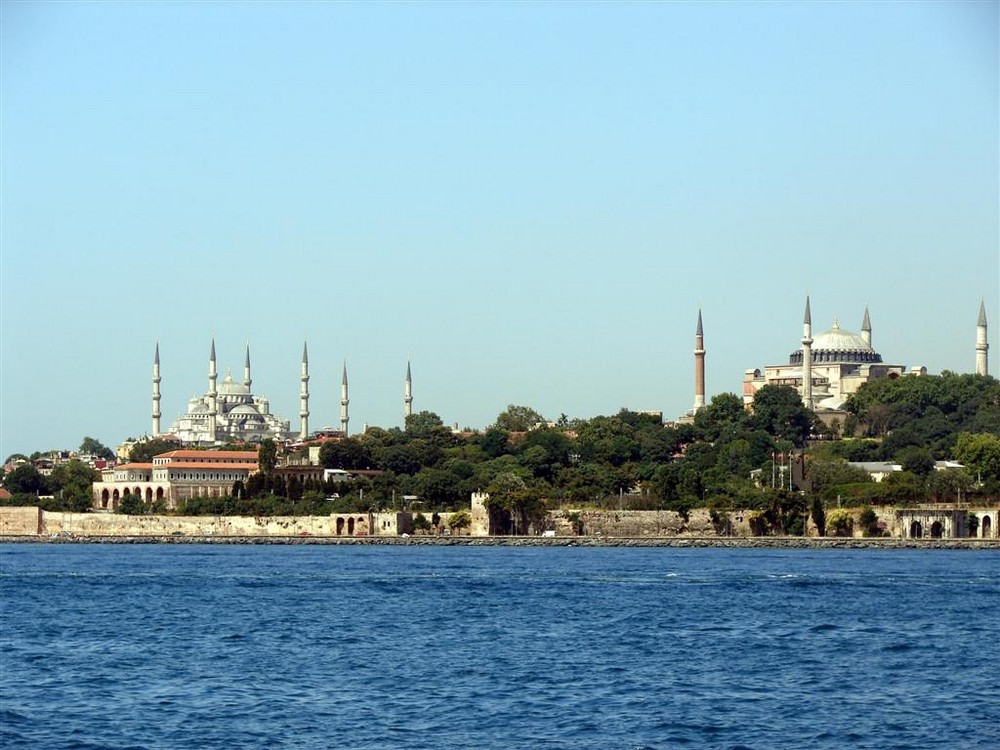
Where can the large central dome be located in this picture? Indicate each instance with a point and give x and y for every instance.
(838, 345)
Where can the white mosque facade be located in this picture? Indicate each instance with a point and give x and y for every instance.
(228, 412)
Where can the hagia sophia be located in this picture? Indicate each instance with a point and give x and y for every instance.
(827, 369)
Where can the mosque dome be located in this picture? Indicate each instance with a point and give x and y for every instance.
(230, 387)
(839, 346)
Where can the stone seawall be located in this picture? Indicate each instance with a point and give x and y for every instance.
(766, 542)
(600, 528)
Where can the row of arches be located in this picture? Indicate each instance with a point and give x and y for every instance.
(981, 527)
(350, 525)
(109, 499)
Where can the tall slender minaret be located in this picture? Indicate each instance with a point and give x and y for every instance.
(344, 401)
(982, 343)
(866, 328)
(699, 367)
(246, 370)
(304, 394)
(807, 341)
(156, 391)
(408, 392)
(213, 394)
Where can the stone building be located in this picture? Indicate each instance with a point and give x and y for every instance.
(175, 476)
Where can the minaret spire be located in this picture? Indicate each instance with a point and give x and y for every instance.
(408, 392)
(982, 343)
(807, 341)
(344, 401)
(304, 394)
(246, 369)
(699, 367)
(866, 328)
(213, 397)
(156, 391)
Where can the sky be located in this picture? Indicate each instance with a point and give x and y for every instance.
(530, 202)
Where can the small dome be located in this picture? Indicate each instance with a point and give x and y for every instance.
(198, 408)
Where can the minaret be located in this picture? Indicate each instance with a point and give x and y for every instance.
(246, 370)
(807, 341)
(344, 401)
(982, 344)
(866, 328)
(304, 394)
(699, 367)
(213, 394)
(156, 391)
(408, 392)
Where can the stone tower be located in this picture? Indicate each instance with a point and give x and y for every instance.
(982, 343)
(213, 394)
(156, 391)
(246, 370)
(304, 394)
(866, 328)
(344, 401)
(699, 367)
(807, 342)
(408, 392)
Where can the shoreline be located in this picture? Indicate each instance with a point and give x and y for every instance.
(775, 542)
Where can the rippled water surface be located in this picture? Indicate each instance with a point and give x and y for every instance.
(455, 647)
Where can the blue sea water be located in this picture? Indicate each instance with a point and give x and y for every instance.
(190, 646)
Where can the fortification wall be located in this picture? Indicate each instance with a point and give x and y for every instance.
(632, 523)
(23, 521)
(32, 521)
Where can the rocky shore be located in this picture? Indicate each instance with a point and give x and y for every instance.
(773, 542)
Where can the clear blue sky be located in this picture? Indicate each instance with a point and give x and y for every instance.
(530, 200)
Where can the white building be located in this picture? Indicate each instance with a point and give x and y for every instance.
(227, 412)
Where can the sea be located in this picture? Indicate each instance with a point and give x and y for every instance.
(113, 646)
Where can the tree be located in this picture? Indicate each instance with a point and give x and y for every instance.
(949, 485)
(778, 410)
(96, 448)
(142, 453)
(26, 479)
(132, 505)
(981, 456)
(349, 453)
(460, 520)
(422, 424)
(71, 482)
(518, 419)
(267, 456)
(916, 460)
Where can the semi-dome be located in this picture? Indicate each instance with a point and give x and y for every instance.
(244, 411)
